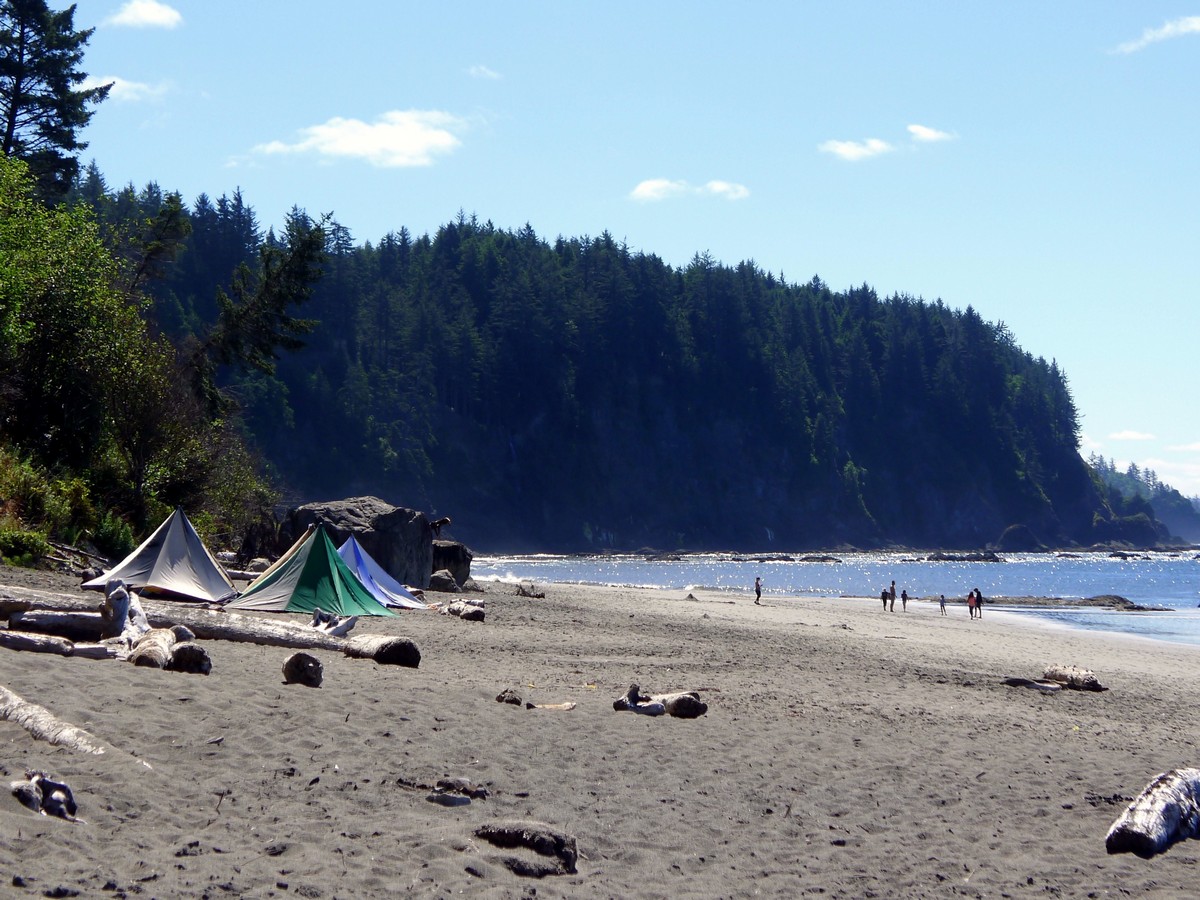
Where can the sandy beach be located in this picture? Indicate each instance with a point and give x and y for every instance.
(846, 752)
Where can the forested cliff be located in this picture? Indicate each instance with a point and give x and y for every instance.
(575, 394)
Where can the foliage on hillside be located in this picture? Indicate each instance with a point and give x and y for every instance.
(578, 395)
(1139, 490)
(101, 432)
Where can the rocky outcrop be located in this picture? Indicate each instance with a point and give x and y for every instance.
(455, 558)
(400, 539)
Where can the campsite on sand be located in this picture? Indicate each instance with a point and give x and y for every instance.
(842, 752)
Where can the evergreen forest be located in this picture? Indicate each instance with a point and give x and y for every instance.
(576, 395)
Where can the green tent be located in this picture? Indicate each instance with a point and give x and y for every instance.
(309, 576)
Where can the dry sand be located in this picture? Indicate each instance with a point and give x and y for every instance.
(846, 752)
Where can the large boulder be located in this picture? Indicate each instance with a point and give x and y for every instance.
(454, 557)
(399, 539)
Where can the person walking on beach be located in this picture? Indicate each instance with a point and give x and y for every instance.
(892, 596)
(971, 603)
(942, 604)
(904, 600)
(883, 597)
(758, 591)
(978, 604)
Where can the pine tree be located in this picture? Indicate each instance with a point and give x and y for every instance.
(41, 106)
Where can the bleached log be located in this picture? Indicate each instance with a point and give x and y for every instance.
(75, 626)
(35, 643)
(385, 650)
(85, 650)
(44, 726)
(1074, 678)
(682, 704)
(153, 649)
(221, 625)
(1166, 811)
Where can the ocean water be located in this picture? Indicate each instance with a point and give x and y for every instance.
(1170, 581)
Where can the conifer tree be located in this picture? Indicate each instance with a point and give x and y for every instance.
(42, 107)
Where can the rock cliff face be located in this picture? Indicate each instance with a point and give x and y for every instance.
(399, 539)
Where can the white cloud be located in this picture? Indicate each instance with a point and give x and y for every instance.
(483, 72)
(927, 135)
(727, 189)
(399, 138)
(856, 150)
(1186, 448)
(1173, 29)
(1088, 444)
(127, 91)
(145, 14)
(1130, 435)
(653, 189)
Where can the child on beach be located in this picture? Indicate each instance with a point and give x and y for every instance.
(942, 604)
(758, 591)
(971, 603)
(904, 600)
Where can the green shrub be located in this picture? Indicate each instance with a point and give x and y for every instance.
(113, 537)
(22, 548)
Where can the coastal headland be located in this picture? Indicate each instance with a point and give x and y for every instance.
(845, 753)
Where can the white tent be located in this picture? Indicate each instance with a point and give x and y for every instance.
(386, 589)
(173, 562)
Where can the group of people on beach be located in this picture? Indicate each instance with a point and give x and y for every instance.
(974, 601)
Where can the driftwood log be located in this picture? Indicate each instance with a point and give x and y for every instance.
(75, 626)
(220, 625)
(1074, 678)
(45, 726)
(468, 610)
(171, 648)
(48, 643)
(682, 704)
(1168, 810)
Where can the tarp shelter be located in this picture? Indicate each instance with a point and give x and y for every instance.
(172, 562)
(386, 589)
(310, 576)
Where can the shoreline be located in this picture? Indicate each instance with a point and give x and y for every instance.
(843, 752)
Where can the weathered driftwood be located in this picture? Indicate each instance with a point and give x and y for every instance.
(44, 725)
(682, 704)
(303, 668)
(75, 626)
(220, 625)
(1168, 810)
(170, 648)
(468, 610)
(122, 612)
(1049, 687)
(385, 650)
(36, 643)
(1074, 678)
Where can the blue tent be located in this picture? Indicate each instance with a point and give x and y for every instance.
(386, 589)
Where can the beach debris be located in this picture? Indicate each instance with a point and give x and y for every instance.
(44, 725)
(1074, 678)
(566, 707)
(508, 695)
(45, 795)
(1050, 687)
(303, 668)
(1166, 811)
(468, 610)
(173, 648)
(331, 623)
(527, 589)
(682, 704)
(556, 850)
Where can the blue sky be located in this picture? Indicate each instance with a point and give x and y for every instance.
(1037, 161)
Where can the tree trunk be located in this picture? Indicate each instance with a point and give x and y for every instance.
(75, 626)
